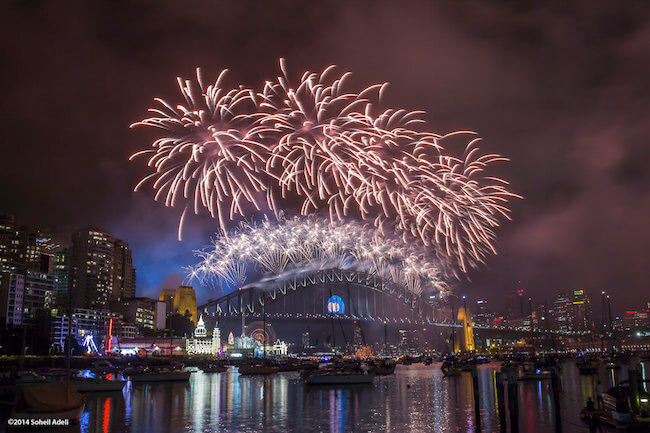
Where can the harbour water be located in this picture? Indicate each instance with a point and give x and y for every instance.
(417, 398)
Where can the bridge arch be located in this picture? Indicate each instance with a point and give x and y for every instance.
(367, 297)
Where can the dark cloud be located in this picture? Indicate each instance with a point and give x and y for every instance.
(559, 87)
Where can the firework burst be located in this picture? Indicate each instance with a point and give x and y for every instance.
(301, 244)
(314, 147)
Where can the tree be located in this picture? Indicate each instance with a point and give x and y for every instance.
(181, 325)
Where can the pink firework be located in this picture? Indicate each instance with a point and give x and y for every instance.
(315, 147)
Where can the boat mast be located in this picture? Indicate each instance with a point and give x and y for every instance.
(453, 327)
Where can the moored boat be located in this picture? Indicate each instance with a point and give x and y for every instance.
(49, 401)
(289, 365)
(161, 375)
(333, 377)
(450, 368)
(103, 366)
(263, 369)
(451, 372)
(618, 412)
(535, 374)
(29, 377)
(383, 368)
(82, 384)
(214, 368)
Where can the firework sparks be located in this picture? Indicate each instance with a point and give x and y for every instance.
(314, 147)
(308, 244)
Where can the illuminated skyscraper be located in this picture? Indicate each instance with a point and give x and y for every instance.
(9, 244)
(580, 311)
(61, 273)
(101, 269)
(22, 248)
(559, 313)
(123, 271)
(483, 315)
(571, 312)
(24, 297)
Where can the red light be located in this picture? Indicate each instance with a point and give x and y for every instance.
(630, 312)
(110, 334)
(497, 319)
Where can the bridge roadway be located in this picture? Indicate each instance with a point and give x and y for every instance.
(365, 296)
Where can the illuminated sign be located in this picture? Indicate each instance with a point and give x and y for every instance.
(335, 305)
(110, 334)
(89, 344)
(578, 292)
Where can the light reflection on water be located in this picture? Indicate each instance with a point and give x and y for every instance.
(416, 398)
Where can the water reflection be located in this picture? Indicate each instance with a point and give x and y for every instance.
(416, 398)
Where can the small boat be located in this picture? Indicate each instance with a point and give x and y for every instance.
(132, 370)
(383, 368)
(333, 377)
(308, 365)
(104, 366)
(468, 364)
(617, 412)
(451, 372)
(213, 368)
(48, 402)
(29, 377)
(450, 369)
(161, 375)
(83, 384)
(263, 369)
(289, 365)
(535, 374)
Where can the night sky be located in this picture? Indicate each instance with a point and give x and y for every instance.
(561, 88)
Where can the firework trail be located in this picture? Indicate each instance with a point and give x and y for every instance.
(314, 147)
(309, 244)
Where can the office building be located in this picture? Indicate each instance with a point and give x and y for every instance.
(100, 324)
(9, 244)
(61, 273)
(12, 293)
(144, 313)
(123, 271)
(101, 269)
(25, 297)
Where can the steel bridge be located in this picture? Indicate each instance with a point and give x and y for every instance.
(366, 297)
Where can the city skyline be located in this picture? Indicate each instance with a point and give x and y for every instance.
(511, 303)
(581, 224)
(325, 216)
